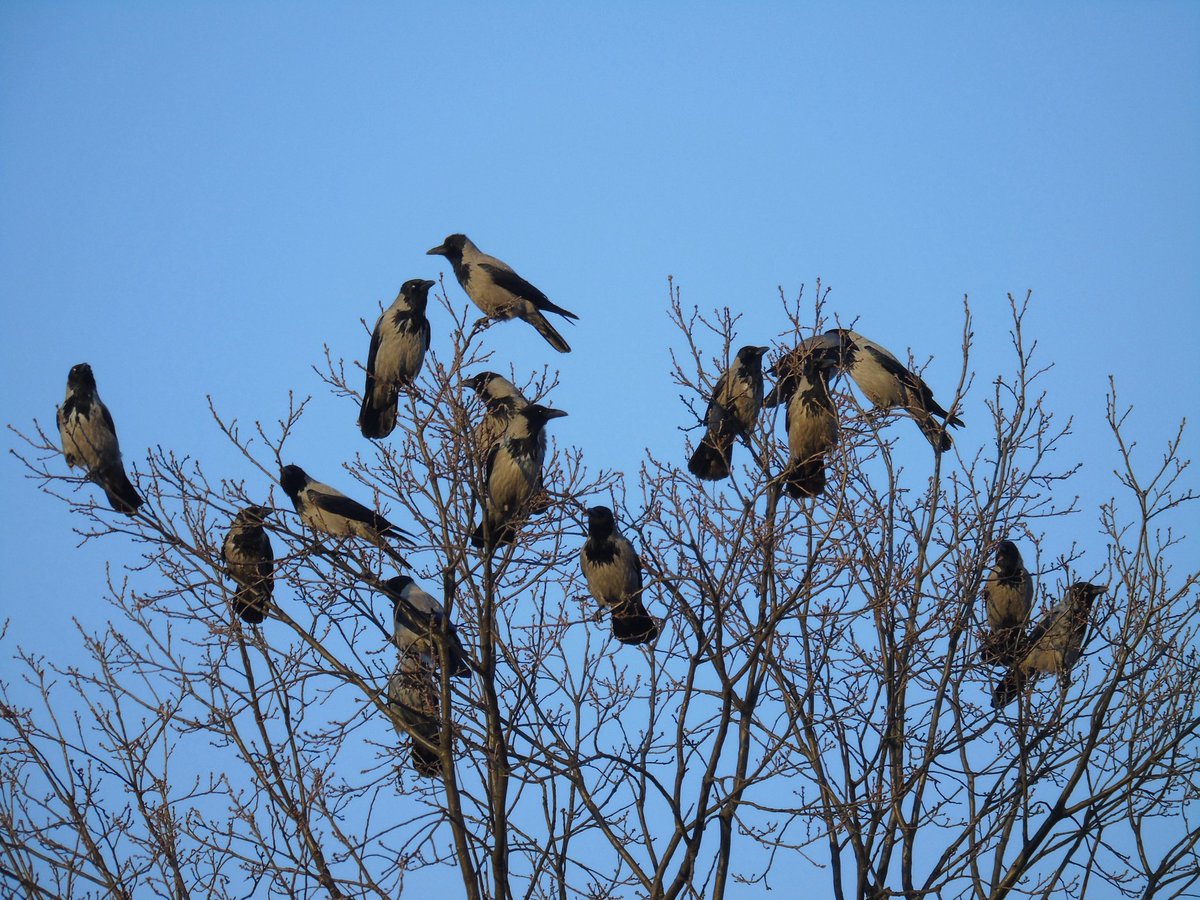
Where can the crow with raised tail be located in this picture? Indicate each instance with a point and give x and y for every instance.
(328, 510)
(500, 292)
(732, 411)
(614, 577)
(419, 621)
(1007, 599)
(89, 440)
(416, 714)
(514, 475)
(394, 360)
(250, 562)
(889, 384)
(501, 398)
(1053, 646)
(812, 419)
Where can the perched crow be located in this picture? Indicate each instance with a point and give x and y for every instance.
(1053, 646)
(327, 509)
(732, 411)
(418, 625)
(514, 474)
(812, 422)
(501, 398)
(89, 440)
(500, 292)
(614, 577)
(413, 704)
(398, 346)
(250, 563)
(888, 384)
(1007, 598)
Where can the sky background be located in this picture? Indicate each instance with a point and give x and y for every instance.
(195, 198)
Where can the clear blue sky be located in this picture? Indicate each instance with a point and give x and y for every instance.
(194, 198)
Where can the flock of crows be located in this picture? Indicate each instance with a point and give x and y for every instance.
(511, 437)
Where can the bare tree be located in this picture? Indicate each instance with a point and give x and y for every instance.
(816, 701)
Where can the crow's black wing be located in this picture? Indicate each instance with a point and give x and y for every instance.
(515, 284)
(376, 340)
(341, 505)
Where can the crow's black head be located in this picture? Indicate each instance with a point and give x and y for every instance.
(416, 292)
(496, 391)
(539, 415)
(394, 587)
(479, 383)
(839, 347)
(600, 522)
(810, 358)
(825, 350)
(81, 378)
(1086, 593)
(451, 247)
(1008, 558)
(751, 357)
(293, 479)
(254, 514)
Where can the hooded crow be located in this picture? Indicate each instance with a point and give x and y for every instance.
(732, 411)
(812, 421)
(614, 577)
(398, 346)
(500, 292)
(250, 562)
(1053, 646)
(888, 384)
(501, 398)
(413, 704)
(327, 509)
(514, 474)
(419, 620)
(1007, 598)
(89, 440)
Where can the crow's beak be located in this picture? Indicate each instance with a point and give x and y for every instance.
(439, 250)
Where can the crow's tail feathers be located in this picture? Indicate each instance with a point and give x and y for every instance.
(250, 603)
(460, 665)
(412, 700)
(425, 761)
(805, 478)
(547, 306)
(632, 624)
(710, 462)
(546, 330)
(1008, 688)
(377, 420)
(122, 495)
(936, 433)
(391, 551)
(501, 534)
